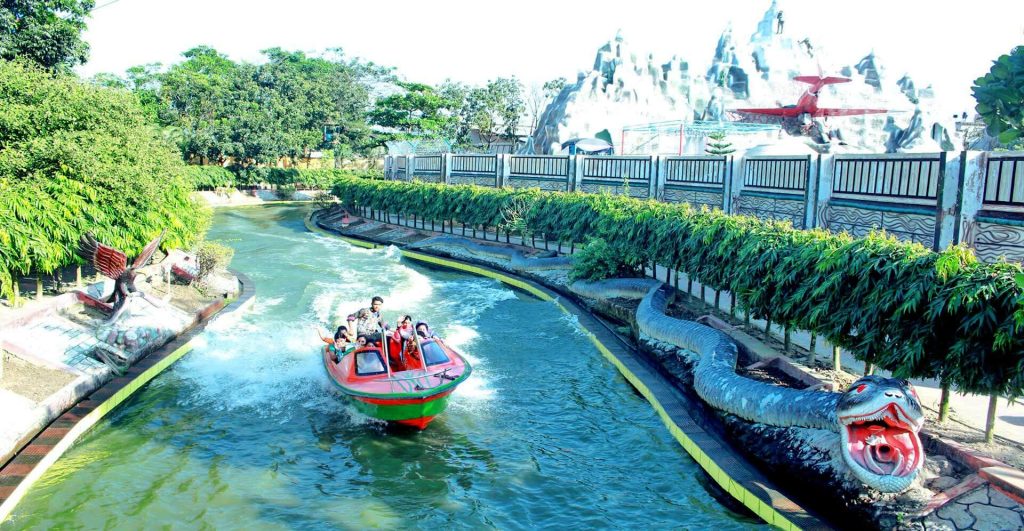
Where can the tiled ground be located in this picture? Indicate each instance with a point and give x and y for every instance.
(56, 340)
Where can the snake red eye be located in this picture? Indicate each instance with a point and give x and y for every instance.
(861, 388)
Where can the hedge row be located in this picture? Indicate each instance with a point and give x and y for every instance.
(212, 177)
(907, 309)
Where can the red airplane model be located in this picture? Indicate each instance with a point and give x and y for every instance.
(808, 102)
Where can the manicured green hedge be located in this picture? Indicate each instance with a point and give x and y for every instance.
(212, 177)
(909, 310)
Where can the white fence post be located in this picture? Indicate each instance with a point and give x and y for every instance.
(503, 166)
(575, 176)
(823, 189)
(410, 167)
(735, 168)
(446, 168)
(811, 190)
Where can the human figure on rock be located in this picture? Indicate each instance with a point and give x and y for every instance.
(779, 23)
(806, 43)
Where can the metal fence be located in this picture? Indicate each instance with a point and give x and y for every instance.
(777, 173)
(901, 176)
(540, 165)
(1004, 180)
(697, 170)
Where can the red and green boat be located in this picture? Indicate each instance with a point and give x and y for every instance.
(411, 396)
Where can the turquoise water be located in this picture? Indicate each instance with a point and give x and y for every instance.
(245, 431)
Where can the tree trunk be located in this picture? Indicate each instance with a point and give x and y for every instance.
(785, 339)
(944, 402)
(837, 359)
(39, 288)
(78, 276)
(718, 298)
(768, 328)
(810, 352)
(990, 420)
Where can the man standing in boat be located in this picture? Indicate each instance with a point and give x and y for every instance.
(370, 322)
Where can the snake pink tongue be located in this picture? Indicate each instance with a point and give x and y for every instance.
(883, 449)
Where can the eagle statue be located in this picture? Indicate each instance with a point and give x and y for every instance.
(114, 264)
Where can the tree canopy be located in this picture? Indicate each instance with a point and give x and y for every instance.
(1000, 97)
(217, 109)
(46, 32)
(76, 157)
(418, 111)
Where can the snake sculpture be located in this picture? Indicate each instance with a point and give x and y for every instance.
(877, 418)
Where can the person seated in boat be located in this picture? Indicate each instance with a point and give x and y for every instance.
(339, 344)
(404, 329)
(350, 327)
(369, 320)
(361, 341)
(424, 331)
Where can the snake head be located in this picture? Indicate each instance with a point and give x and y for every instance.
(879, 421)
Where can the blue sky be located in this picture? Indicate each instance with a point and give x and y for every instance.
(947, 45)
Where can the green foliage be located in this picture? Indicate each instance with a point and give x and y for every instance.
(717, 144)
(209, 177)
(45, 32)
(911, 311)
(419, 110)
(75, 157)
(286, 192)
(212, 257)
(256, 114)
(493, 111)
(1000, 97)
(598, 261)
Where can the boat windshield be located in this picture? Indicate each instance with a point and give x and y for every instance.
(433, 354)
(369, 362)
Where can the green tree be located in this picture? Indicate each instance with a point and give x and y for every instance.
(494, 110)
(75, 157)
(46, 32)
(1000, 97)
(420, 110)
(717, 144)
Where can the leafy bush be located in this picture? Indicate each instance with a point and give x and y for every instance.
(75, 158)
(213, 257)
(911, 311)
(598, 261)
(286, 192)
(209, 177)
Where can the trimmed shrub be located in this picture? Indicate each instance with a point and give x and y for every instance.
(909, 310)
(598, 261)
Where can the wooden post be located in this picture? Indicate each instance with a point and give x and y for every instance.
(990, 421)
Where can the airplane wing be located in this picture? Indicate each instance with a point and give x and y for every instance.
(848, 112)
(787, 112)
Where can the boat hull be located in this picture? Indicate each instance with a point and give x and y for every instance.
(413, 405)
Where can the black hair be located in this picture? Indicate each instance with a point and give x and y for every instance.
(406, 318)
(363, 336)
(340, 333)
(375, 299)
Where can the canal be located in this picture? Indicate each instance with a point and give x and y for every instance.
(246, 432)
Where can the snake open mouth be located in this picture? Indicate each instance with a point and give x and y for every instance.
(883, 442)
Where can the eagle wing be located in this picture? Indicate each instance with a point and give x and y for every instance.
(104, 258)
(147, 251)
